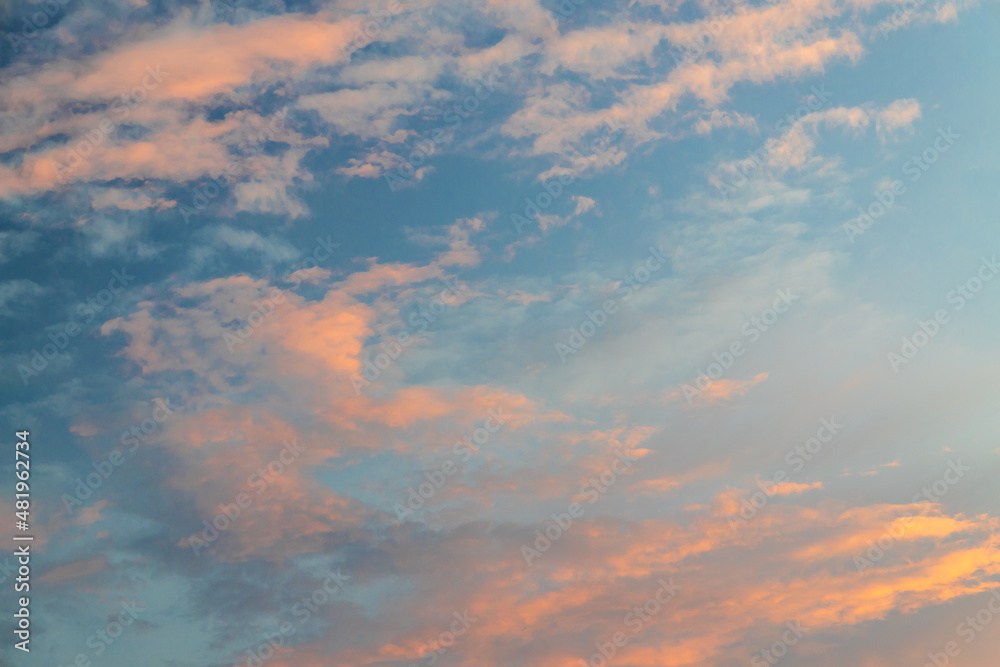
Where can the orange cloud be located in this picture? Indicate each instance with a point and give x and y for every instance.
(716, 391)
(792, 488)
(177, 65)
(730, 585)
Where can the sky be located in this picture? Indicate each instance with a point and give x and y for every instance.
(403, 333)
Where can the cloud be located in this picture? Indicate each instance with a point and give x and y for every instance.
(583, 204)
(792, 488)
(712, 392)
(601, 52)
(901, 114)
(716, 119)
(177, 65)
(14, 243)
(258, 361)
(368, 112)
(74, 571)
(17, 291)
(274, 248)
(129, 200)
(795, 147)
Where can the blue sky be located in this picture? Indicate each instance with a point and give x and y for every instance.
(302, 297)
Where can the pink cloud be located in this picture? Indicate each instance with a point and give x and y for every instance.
(711, 392)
